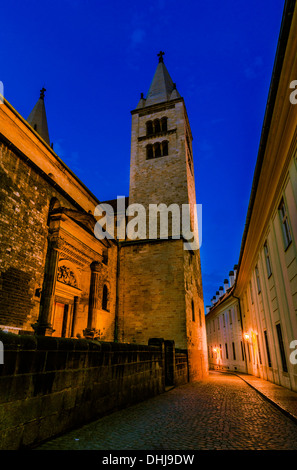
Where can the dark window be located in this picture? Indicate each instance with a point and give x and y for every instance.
(200, 317)
(149, 128)
(258, 279)
(157, 126)
(164, 148)
(285, 224)
(226, 348)
(242, 350)
(251, 292)
(149, 152)
(105, 298)
(157, 148)
(65, 320)
(281, 347)
(164, 124)
(193, 311)
(233, 347)
(267, 348)
(267, 258)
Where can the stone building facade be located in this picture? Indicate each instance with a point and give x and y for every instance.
(264, 294)
(58, 278)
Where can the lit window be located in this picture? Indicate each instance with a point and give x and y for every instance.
(267, 258)
(285, 224)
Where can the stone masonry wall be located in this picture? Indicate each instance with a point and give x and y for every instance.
(151, 292)
(50, 385)
(24, 204)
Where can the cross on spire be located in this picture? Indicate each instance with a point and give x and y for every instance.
(42, 93)
(160, 55)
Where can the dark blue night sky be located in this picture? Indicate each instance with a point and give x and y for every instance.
(95, 58)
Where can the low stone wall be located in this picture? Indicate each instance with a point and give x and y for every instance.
(51, 385)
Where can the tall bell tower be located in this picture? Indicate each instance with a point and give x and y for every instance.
(161, 146)
(160, 281)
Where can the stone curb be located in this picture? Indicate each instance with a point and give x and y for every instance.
(276, 405)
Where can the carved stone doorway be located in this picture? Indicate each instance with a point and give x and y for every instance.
(67, 294)
(62, 319)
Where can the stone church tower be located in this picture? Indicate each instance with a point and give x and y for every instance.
(160, 286)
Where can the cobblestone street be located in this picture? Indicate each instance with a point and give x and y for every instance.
(222, 412)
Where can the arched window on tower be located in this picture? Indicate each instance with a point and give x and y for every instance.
(149, 128)
(164, 124)
(149, 152)
(193, 310)
(165, 148)
(157, 148)
(105, 297)
(157, 126)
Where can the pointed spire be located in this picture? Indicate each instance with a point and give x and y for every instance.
(37, 118)
(162, 86)
(141, 103)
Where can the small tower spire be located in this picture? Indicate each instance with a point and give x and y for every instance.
(37, 118)
(162, 87)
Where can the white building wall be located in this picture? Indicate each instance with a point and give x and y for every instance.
(276, 302)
